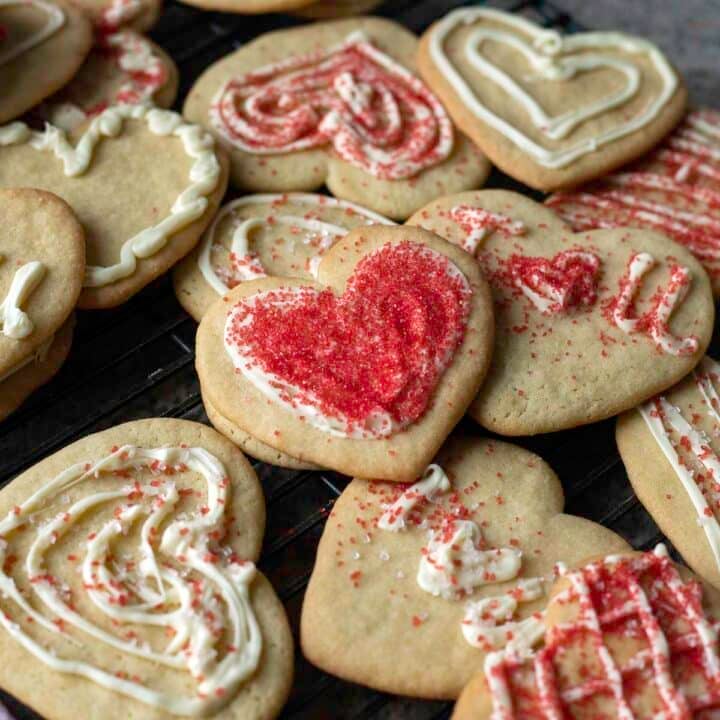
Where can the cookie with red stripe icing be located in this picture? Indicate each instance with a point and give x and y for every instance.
(670, 449)
(674, 190)
(549, 109)
(627, 636)
(129, 585)
(43, 43)
(336, 104)
(454, 566)
(589, 324)
(364, 370)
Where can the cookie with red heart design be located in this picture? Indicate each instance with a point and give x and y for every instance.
(415, 584)
(143, 182)
(629, 635)
(551, 110)
(365, 370)
(336, 104)
(588, 324)
(43, 43)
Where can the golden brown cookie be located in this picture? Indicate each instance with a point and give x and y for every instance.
(123, 67)
(144, 184)
(551, 110)
(669, 446)
(264, 235)
(415, 584)
(129, 581)
(111, 15)
(370, 130)
(632, 635)
(44, 43)
(588, 324)
(674, 190)
(364, 371)
(329, 9)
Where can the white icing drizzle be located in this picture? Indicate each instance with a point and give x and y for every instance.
(433, 482)
(489, 624)
(478, 223)
(245, 263)
(190, 205)
(120, 12)
(14, 321)
(38, 356)
(55, 20)
(554, 58)
(655, 322)
(194, 610)
(659, 414)
(453, 565)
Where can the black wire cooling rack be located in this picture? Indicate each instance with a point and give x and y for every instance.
(138, 361)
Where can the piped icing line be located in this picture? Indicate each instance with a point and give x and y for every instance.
(455, 562)
(190, 205)
(119, 12)
(14, 321)
(37, 357)
(553, 57)
(244, 263)
(659, 415)
(55, 20)
(478, 223)
(213, 603)
(368, 396)
(606, 594)
(655, 321)
(374, 112)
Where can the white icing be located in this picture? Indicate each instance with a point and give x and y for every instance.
(14, 321)
(194, 610)
(478, 223)
(190, 205)
(433, 482)
(55, 20)
(488, 622)
(554, 58)
(120, 12)
(640, 264)
(250, 266)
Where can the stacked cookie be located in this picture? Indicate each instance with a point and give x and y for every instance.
(333, 336)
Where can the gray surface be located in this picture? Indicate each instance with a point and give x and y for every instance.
(687, 30)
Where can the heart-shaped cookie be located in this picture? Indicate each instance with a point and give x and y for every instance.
(452, 567)
(129, 582)
(638, 319)
(365, 371)
(670, 450)
(548, 109)
(143, 183)
(42, 263)
(630, 635)
(337, 104)
(123, 67)
(259, 235)
(674, 190)
(43, 43)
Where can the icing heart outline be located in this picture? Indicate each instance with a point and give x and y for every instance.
(55, 20)
(551, 44)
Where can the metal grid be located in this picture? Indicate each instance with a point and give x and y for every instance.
(138, 361)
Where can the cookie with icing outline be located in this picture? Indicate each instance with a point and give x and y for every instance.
(674, 190)
(44, 44)
(179, 481)
(669, 448)
(42, 263)
(123, 67)
(632, 635)
(368, 369)
(450, 567)
(143, 182)
(253, 236)
(576, 340)
(389, 167)
(550, 110)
